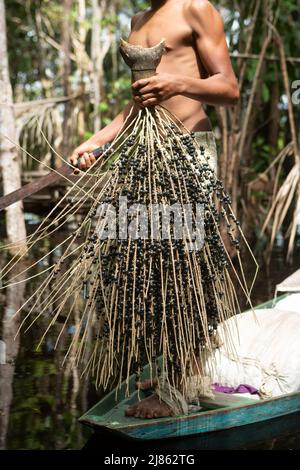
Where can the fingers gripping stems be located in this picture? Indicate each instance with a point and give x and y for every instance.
(94, 154)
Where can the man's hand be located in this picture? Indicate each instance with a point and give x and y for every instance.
(153, 90)
(83, 152)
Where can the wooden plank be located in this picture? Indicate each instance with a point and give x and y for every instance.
(43, 182)
(228, 400)
(34, 186)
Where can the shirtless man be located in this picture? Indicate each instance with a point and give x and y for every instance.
(195, 70)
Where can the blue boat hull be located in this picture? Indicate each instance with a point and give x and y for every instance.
(198, 423)
(217, 420)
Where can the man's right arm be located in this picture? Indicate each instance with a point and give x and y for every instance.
(100, 138)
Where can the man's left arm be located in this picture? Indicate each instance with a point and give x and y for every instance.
(221, 87)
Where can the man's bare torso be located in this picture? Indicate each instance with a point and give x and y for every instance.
(181, 57)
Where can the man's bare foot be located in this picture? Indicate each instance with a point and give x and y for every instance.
(146, 384)
(150, 407)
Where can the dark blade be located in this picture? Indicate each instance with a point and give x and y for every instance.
(42, 182)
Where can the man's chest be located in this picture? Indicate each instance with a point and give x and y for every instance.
(171, 25)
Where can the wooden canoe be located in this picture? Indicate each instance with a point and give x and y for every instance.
(222, 413)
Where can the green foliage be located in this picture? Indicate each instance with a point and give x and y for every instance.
(87, 135)
(265, 93)
(103, 107)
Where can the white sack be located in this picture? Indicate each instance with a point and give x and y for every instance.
(265, 352)
(291, 303)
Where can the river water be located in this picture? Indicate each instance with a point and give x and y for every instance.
(40, 401)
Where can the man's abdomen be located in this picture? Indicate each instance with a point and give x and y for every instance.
(189, 111)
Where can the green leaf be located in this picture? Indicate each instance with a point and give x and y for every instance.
(265, 93)
(103, 107)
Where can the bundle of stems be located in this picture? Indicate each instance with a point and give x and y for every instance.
(144, 290)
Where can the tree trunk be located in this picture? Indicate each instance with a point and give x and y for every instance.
(99, 48)
(97, 61)
(9, 161)
(66, 47)
(82, 42)
(47, 84)
(10, 348)
(274, 124)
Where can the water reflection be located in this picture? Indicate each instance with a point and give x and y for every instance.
(10, 349)
(40, 400)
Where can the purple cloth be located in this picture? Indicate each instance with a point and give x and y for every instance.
(243, 388)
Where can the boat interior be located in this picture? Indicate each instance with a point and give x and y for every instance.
(110, 413)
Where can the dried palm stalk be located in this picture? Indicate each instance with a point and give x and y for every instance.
(286, 197)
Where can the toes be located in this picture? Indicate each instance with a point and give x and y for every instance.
(162, 411)
(130, 411)
(158, 413)
(137, 414)
(142, 413)
(167, 412)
